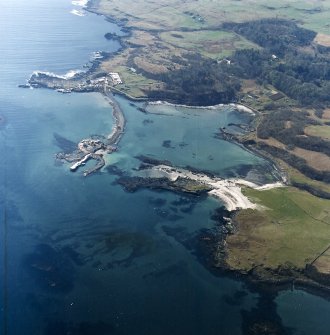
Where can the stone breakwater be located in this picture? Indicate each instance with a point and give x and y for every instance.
(89, 148)
(118, 115)
(96, 147)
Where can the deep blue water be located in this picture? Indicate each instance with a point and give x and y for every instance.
(82, 256)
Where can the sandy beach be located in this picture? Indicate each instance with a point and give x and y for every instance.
(229, 191)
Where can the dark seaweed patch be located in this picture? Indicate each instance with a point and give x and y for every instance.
(124, 247)
(188, 209)
(162, 213)
(263, 319)
(67, 146)
(158, 202)
(147, 121)
(168, 144)
(51, 269)
(236, 299)
(75, 257)
(203, 244)
(174, 217)
(184, 201)
(115, 170)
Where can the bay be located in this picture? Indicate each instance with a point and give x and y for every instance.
(81, 255)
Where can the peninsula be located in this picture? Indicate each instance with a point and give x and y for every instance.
(265, 59)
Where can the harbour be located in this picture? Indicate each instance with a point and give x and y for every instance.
(84, 255)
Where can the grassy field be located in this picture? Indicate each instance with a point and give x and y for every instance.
(320, 131)
(163, 29)
(213, 44)
(169, 14)
(293, 227)
(316, 160)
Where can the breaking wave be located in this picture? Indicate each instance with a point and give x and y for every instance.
(69, 75)
(81, 3)
(77, 12)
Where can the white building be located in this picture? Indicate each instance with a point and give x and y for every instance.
(115, 78)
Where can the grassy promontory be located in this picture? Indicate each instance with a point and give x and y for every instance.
(282, 72)
(198, 54)
(284, 240)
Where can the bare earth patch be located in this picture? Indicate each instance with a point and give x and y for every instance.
(314, 159)
(148, 66)
(273, 142)
(322, 39)
(322, 264)
(326, 113)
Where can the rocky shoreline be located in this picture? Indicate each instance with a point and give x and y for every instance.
(90, 81)
(96, 148)
(89, 148)
(284, 277)
(261, 275)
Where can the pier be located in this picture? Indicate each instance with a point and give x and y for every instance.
(95, 148)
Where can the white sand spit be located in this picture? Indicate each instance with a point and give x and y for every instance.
(228, 190)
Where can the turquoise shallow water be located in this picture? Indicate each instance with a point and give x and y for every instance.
(185, 136)
(80, 255)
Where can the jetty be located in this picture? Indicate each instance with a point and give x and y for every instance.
(97, 146)
(75, 166)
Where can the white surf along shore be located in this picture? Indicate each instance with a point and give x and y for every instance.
(79, 3)
(229, 191)
(239, 107)
(66, 76)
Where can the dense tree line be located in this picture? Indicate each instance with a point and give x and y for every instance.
(311, 189)
(200, 81)
(282, 62)
(301, 75)
(274, 125)
(297, 162)
(275, 35)
(302, 78)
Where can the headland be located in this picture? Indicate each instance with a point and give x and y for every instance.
(159, 61)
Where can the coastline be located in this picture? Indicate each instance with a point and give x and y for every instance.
(118, 130)
(227, 190)
(238, 106)
(119, 127)
(232, 196)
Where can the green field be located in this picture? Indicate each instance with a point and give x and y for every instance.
(164, 29)
(297, 177)
(213, 44)
(134, 84)
(171, 14)
(293, 227)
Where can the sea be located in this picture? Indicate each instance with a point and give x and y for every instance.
(82, 256)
